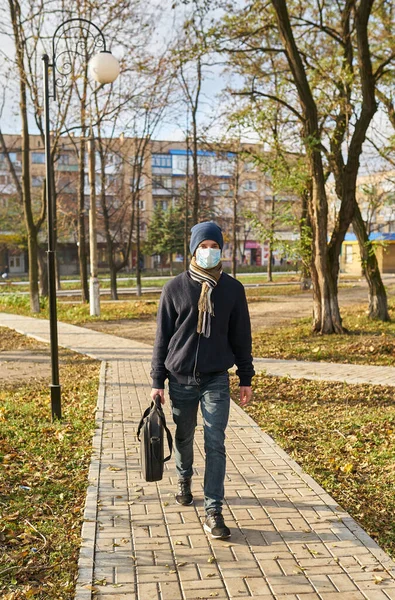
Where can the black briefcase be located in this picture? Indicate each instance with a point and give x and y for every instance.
(150, 434)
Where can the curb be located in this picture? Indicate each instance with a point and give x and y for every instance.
(86, 560)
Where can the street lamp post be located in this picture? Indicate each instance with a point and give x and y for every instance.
(104, 68)
(94, 286)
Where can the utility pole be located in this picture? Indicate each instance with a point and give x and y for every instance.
(94, 286)
(235, 214)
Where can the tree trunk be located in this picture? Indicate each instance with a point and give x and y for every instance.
(43, 272)
(110, 251)
(33, 273)
(170, 263)
(113, 278)
(235, 215)
(234, 235)
(378, 305)
(326, 313)
(195, 207)
(32, 230)
(269, 262)
(316, 299)
(82, 256)
(138, 267)
(271, 239)
(305, 238)
(186, 228)
(326, 307)
(107, 225)
(57, 273)
(55, 223)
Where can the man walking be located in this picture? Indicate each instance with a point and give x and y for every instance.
(203, 329)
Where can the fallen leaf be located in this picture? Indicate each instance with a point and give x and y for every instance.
(211, 559)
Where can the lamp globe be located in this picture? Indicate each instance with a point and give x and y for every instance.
(104, 67)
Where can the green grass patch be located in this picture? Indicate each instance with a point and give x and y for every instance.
(343, 436)
(43, 478)
(78, 313)
(256, 294)
(121, 283)
(160, 282)
(369, 342)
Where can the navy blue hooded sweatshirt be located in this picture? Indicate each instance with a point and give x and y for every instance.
(179, 350)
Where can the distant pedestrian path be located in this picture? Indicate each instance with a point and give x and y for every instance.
(290, 540)
(298, 369)
(110, 347)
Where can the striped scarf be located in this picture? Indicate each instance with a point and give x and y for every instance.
(208, 278)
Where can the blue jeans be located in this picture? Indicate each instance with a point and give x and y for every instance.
(214, 399)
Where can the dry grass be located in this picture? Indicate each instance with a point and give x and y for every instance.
(43, 477)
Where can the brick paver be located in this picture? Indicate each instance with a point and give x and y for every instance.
(290, 540)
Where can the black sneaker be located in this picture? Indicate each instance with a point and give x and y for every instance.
(215, 525)
(184, 495)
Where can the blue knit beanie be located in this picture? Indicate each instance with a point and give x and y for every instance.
(205, 231)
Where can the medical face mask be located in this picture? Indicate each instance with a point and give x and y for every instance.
(207, 258)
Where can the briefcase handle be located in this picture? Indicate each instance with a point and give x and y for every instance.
(158, 405)
(163, 419)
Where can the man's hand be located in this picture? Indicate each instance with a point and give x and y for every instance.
(245, 394)
(161, 393)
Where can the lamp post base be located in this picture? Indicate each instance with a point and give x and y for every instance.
(55, 402)
(94, 297)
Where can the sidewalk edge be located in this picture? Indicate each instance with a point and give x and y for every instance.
(88, 531)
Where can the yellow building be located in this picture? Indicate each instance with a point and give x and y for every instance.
(384, 244)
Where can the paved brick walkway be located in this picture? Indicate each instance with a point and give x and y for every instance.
(290, 540)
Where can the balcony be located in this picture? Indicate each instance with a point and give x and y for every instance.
(162, 192)
(60, 167)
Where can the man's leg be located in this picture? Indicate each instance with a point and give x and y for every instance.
(215, 402)
(184, 405)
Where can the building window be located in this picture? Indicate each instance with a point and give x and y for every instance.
(250, 166)
(250, 185)
(162, 203)
(64, 159)
(136, 182)
(12, 156)
(142, 204)
(38, 158)
(161, 160)
(348, 253)
(224, 186)
(37, 181)
(67, 186)
(113, 159)
(179, 182)
(15, 262)
(162, 183)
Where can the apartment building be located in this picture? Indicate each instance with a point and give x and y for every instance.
(375, 195)
(376, 199)
(150, 173)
